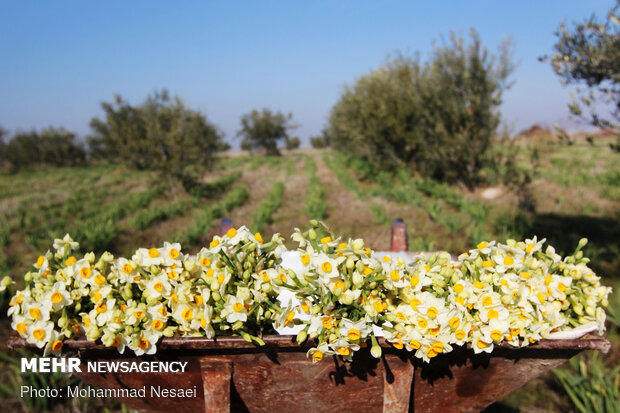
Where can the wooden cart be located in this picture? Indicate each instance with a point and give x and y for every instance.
(231, 375)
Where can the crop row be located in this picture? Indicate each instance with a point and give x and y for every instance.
(233, 198)
(315, 205)
(263, 215)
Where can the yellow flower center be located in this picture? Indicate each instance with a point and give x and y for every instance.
(561, 287)
(290, 317)
(102, 308)
(40, 261)
(205, 261)
(56, 297)
(478, 285)
(414, 280)
(305, 307)
(86, 272)
(540, 297)
(487, 263)
(57, 345)
(326, 267)
(174, 253)
(325, 240)
(431, 312)
(525, 275)
(434, 331)
(509, 260)
(317, 355)
(143, 344)
(496, 335)
(515, 331)
(70, 261)
(100, 279)
(231, 233)
(238, 307)
(378, 306)
(34, 313)
(258, 237)
(215, 243)
(198, 300)
(188, 313)
(459, 334)
(548, 279)
(454, 322)
(398, 345)
(305, 259)
(400, 315)
(139, 314)
(422, 323)
(38, 334)
(482, 344)
(162, 310)
(21, 328)
(414, 303)
(386, 258)
(127, 268)
(354, 334)
(487, 301)
(492, 314)
(327, 322)
(158, 287)
(282, 277)
(482, 245)
(458, 288)
(367, 270)
(415, 344)
(394, 275)
(529, 248)
(153, 252)
(221, 278)
(344, 351)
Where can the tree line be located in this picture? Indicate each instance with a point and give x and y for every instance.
(437, 117)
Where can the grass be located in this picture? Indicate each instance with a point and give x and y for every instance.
(110, 207)
(263, 215)
(315, 206)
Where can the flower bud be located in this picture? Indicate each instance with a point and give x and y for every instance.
(302, 336)
(312, 234)
(350, 263)
(375, 351)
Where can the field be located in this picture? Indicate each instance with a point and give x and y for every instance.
(574, 193)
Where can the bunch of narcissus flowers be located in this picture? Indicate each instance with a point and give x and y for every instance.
(344, 295)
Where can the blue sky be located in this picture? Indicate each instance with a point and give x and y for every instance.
(59, 60)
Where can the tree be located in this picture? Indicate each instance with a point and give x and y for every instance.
(589, 54)
(293, 143)
(263, 130)
(160, 134)
(438, 117)
(51, 146)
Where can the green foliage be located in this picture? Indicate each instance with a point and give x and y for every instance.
(263, 215)
(263, 130)
(216, 187)
(233, 198)
(319, 142)
(146, 218)
(439, 116)
(293, 143)
(589, 54)
(315, 205)
(591, 385)
(51, 146)
(160, 134)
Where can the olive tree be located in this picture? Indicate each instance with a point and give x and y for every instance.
(588, 54)
(160, 134)
(264, 129)
(438, 116)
